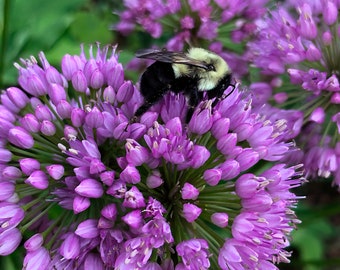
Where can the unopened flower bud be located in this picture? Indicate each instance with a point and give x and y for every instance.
(20, 137)
(220, 219)
(191, 212)
(189, 192)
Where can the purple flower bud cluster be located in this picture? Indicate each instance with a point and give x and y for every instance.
(146, 14)
(301, 39)
(251, 238)
(201, 22)
(83, 187)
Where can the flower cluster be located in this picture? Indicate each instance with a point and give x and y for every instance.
(204, 23)
(87, 189)
(146, 14)
(302, 40)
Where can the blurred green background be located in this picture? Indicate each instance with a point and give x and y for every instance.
(59, 27)
(54, 27)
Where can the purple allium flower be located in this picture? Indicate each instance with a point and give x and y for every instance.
(301, 40)
(146, 14)
(194, 254)
(200, 23)
(102, 193)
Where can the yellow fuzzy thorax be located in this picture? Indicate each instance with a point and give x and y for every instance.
(208, 79)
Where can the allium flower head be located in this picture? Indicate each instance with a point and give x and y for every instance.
(86, 189)
(200, 23)
(302, 41)
(146, 14)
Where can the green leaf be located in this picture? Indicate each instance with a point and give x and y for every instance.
(309, 239)
(32, 26)
(89, 28)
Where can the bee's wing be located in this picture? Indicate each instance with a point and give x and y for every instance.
(170, 57)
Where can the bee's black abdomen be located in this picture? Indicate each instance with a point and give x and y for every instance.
(156, 79)
(155, 82)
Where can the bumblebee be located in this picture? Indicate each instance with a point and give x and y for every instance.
(192, 73)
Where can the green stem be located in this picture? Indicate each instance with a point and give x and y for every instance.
(227, 187)
(37, 217)
(322, 102)
(335, 137)
(309, 104)
(67, 219)
(32, 203)
(209, 234)
(227, 197)
(177, 232)
(166, 173)
(325, 134)
(195, 175)
(5, 23)
(224, 208)
(214, 239)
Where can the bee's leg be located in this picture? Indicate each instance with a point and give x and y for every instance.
(142, 109)
(131, 121)
(189, 114)
(232, 90)
(222, 96)
(194, 98)
(148, 102)
(217, 94)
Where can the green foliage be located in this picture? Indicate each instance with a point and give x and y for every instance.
(14, 261)
(28, 27)
(315, 237)
(309, 241)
